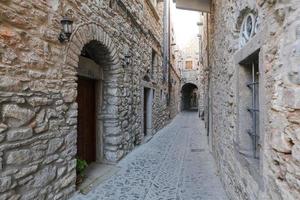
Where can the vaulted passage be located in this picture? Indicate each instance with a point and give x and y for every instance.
(189, 97)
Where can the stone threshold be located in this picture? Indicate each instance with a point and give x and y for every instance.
(96, 173)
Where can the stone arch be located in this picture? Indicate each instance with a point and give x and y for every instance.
(107, 114)
(187, 91)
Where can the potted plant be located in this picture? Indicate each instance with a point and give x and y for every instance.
(81, 165)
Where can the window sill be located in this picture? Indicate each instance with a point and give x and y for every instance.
(251, 164)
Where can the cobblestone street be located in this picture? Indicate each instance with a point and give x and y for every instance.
(174, 165)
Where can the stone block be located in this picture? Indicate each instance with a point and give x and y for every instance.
(16, 116)
(54, 145)
(19, 134)
(3, 127)
(39, 101)
(5, 183)
(296, 152)
(61, 171)
(25, 171)
(18, 157)
(44, 176)
(112, 130)
(69, 179)
(32, 194)
(114, 140)
(114, 156)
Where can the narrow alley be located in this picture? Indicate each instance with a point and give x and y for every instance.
(175, 164)
(96, 100)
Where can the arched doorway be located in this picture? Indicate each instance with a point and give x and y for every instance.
(189, 97)
(90, 101)
(103, 68)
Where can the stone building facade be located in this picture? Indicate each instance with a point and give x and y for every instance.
(40, 79)
(253, 93)
(174, 73)
(190, 69)
(174, 93)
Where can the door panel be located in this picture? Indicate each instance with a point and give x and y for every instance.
(86, 129)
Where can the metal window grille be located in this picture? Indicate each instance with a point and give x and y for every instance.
(254, 109)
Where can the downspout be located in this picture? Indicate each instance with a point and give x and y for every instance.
(166, 41)
(209, 74)
(169, 55)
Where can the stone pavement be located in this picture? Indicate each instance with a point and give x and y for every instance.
(174, 165)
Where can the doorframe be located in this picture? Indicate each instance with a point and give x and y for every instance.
(89, 69)
(149, 112)
(146, 85)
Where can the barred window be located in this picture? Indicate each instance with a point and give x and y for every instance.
(249, 107)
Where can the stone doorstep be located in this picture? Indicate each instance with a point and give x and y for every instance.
(96, 173)
(147, 138)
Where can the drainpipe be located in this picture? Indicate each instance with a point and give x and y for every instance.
(166, 40)
(209, 78)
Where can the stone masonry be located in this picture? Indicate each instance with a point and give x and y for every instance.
(276, 176)
(38, 88)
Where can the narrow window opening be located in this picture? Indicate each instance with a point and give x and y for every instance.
(154, 63)
(189, 64)
(249, 134)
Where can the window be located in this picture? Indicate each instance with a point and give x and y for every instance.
(189, 64)
(249, 106)
(154, 62)
(254, 107)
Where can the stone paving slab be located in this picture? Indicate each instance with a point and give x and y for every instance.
(174, 165)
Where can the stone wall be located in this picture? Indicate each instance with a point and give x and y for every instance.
(174, 95)
(38, 89)
(276, 176)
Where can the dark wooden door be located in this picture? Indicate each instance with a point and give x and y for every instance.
(86, 129)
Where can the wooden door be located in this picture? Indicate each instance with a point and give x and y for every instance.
(86, 129)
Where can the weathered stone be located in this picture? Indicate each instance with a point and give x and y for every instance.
(61, 171)
(25, 180)
(115, 140)
(32, 194)
(44, 176)
(66, 181)
(54, 145)
(114, 156)
(50, 159)
(19, 134)
(40, 85)
(19, 157)
(16, 116)
(42, 128)
(26, 171)
(3, 127)
(226, 114)
(5, 183)
(10, 84)
(125, 124)
(15, 197)
(39, 101)
(296, 152)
